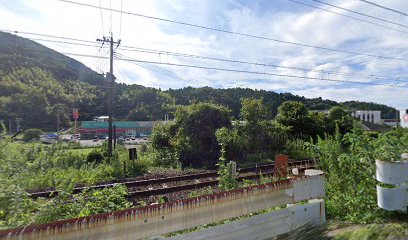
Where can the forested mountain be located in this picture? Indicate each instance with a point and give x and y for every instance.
(386, 111)
(231, 98)
(39, 84)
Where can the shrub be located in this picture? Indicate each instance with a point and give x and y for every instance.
(295, 149)
(32, 134)
(94, 156)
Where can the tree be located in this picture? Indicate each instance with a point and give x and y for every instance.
(317, 124)
(197, 144)
(253, 110)
(294, 115)
(3, 129)
(192, 135)
(342, 118)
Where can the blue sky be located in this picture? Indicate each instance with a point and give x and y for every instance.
(278, 19)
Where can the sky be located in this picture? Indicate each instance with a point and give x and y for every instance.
(282, 20)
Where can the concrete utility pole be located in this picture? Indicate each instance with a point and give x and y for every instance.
(18, 120)
(111, 79)
(58, 120)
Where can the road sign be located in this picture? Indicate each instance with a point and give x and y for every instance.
(75, 113)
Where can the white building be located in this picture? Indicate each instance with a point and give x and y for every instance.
(368, 116)
(404, 118)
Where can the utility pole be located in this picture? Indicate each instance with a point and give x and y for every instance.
(111, 80)
(58, 120)
(10, 126)
(18, 120)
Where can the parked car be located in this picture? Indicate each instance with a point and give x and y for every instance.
(95, 138)
(75, 136)
(120, 140)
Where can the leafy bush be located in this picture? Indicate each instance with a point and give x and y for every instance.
(349, 166)
(32, 134)
(389, 146)
(66, 205)
(17, 208)
(94, 156)
(296, 149)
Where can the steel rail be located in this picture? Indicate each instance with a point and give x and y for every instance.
(139, 183)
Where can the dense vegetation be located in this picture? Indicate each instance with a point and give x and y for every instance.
(349, 165)
(194, 140)
(26, 166)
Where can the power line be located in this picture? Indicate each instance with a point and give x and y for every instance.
(253, 72)
(351, 17)
(386, 8)
(146, 50)
(163, 71)
(236, 33)
(100, 5)
(45, 35)
(234, 70)
(63, 42)
(110, 6)
(160, 70)
(361, 14)
(154, 51)
(120, 22)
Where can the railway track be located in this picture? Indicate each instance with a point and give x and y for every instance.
(157, 186)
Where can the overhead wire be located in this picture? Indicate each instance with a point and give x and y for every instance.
(154, 51)
(162, 70)
(100, 8)
(237, 33)
(361, 14)
(120, 22)
(64, 42)
(351, 17)
(254, 72)
(177, 54)
(384, 7)
(45, 35)
(110, 6)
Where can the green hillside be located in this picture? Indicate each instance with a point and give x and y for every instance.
(17, 52)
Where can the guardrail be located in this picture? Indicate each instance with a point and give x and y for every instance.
(168, 217)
